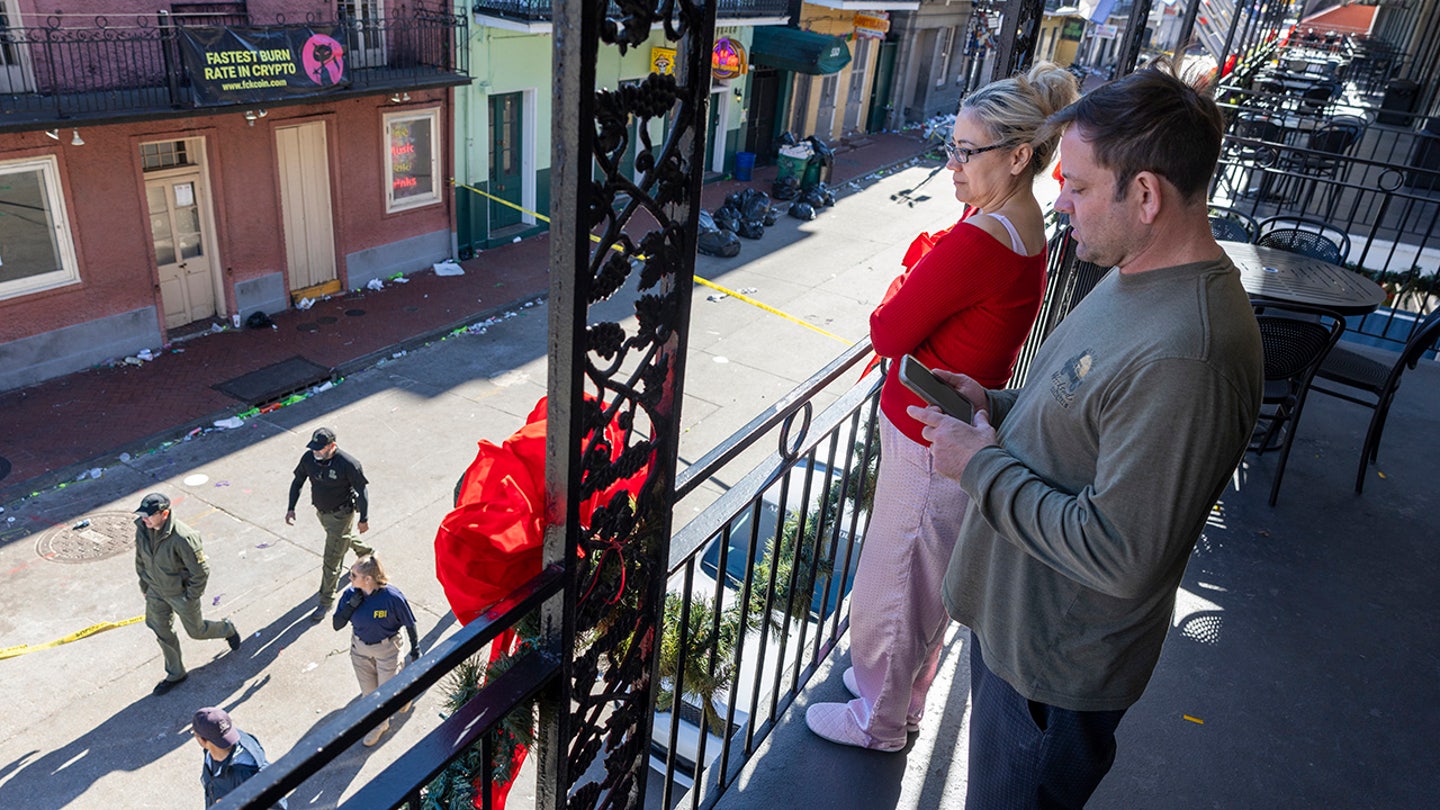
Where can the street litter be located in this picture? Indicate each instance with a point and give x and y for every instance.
(124, 456)
(749, 290)
(376, 284)
(325, 386)
(196, 480)
(516, 240)
(304, 303)
(448, 268)
(144, 354)
(720, 359)
(716, 297)
(82, 524)
(193, 433)
(229, 424)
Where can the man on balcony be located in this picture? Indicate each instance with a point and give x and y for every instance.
(1090, 491)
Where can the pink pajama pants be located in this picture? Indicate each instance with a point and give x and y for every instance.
(897, 619)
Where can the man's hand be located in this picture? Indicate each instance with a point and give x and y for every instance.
(414, 654)
(363, 526)
(952, 442)
(968, 388)
(290, 518)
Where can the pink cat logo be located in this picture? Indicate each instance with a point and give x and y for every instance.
(322, 58)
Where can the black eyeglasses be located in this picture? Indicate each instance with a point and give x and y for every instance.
(961, 155)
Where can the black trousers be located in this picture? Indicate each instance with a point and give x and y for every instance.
(1025, 754)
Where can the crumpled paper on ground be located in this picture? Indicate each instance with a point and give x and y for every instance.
(448, 268)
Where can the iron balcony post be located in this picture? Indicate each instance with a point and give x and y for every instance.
(1015, 48)
(615, 392)
(1134, 36)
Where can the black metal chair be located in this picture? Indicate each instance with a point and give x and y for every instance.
(1309, 237)
(1296, 339)
(1349, 368)
(1230, 225)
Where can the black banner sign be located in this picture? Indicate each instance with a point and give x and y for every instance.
(254, 65)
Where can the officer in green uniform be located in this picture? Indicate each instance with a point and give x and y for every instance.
(170, 561)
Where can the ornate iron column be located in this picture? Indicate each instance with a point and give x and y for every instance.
(1019, 31)
(1134, 38)
(615, 389)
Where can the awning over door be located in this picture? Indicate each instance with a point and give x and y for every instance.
(800, 51)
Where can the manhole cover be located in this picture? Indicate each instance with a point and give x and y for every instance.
(412, 309)
(106, 534)
(308, 327)
(354, 313)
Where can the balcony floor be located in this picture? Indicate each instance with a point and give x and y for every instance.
(1307, 639)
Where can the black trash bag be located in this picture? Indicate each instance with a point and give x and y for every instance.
(707, 222)
(751, 229)
(823, 152)
(724, 244)
(802, 210)
(727, 218)
(772, 214)
(827, 194)
(258, 320)
(755, 204)
(786, 139)
(814, 197)
(786, 188)
(736, 200)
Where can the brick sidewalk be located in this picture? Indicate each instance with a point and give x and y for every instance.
(55, 431)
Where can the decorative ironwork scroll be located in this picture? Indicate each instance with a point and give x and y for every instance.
(615, 387)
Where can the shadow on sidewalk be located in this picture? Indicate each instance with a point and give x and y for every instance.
(153, 726)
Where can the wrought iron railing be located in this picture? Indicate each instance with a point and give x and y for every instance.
(758, 579)
(56, 73)
(535, 11)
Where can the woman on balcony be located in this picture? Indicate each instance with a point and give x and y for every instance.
(965, 303)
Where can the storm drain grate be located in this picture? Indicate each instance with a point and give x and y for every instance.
(104, 535)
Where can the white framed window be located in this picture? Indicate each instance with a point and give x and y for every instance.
(412, 161)
(36, 248)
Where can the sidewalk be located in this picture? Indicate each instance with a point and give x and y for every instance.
(57, 431)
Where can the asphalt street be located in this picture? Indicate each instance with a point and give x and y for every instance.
(82, 729)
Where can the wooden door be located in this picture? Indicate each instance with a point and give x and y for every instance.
(506, 164)
(182, 251)
(306, 215)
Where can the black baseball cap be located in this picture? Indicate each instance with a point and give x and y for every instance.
(215, 727)
(153, 503)
(322, 438)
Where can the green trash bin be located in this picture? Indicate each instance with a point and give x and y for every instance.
(812, 172)
(786, 166)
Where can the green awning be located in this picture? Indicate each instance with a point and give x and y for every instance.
(800, 51)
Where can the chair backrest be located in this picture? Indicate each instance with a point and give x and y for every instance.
(1286, 224)
(1230, 225)
(1422, 340)
(1306, 243)
(1295, 339)
(1334, 138)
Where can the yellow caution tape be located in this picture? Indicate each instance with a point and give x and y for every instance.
(1193, 719)
(712, 285)
(24, 649)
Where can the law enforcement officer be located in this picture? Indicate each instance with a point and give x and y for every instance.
(231, 755)
(337, 490)
(170, 562)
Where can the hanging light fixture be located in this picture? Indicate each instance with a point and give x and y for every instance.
(77, 140)
(53, 134)
(252, 115)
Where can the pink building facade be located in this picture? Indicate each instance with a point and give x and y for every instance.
(162, 173)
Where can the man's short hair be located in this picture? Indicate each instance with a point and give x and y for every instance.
(1150, 121)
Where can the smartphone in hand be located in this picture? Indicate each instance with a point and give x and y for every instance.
(928, 387)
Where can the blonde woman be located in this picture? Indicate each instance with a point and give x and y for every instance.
(376, 611)
(964, 303)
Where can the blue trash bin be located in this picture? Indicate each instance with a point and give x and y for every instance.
(744, 165)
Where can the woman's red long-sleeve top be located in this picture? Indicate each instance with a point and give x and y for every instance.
(964, 303)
